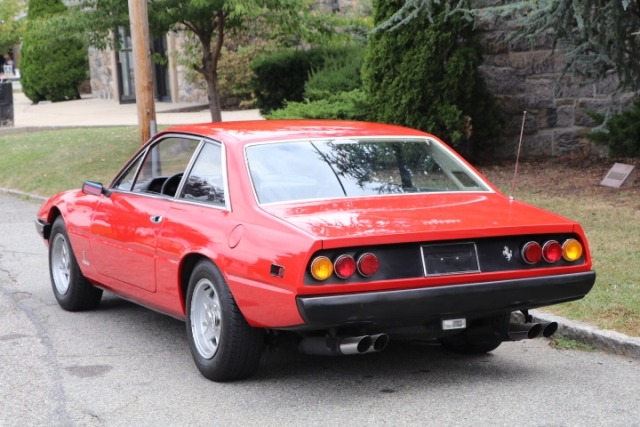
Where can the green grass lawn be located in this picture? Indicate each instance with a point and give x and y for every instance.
(43, 163)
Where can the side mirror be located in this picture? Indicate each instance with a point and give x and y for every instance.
(93, 188)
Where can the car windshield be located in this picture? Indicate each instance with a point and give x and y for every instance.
(289, 171)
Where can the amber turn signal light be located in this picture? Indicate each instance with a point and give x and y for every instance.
(321, 268)
(571, 250)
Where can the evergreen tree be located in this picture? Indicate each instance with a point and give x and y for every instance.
(424, 74)
(54, 60)
(602, 35)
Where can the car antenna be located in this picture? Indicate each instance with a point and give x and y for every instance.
(515, 172)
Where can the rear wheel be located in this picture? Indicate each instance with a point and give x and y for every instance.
(71, 289)
(223, 345)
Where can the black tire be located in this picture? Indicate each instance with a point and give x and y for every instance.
(71, 289)
(223, 345)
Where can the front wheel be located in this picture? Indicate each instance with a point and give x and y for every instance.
(223, 345)
(71, 289)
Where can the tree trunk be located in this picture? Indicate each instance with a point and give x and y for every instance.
(214, 98)
(210, 56)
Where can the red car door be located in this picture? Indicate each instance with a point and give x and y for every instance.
(127, 222)
(125, 231)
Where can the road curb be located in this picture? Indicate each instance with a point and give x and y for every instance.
(22, 194)
(602, 339)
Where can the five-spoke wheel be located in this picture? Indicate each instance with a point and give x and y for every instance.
(223, 345)
(71, 289)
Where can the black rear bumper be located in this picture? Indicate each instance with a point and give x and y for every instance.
(416, 306)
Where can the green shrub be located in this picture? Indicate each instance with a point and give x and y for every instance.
(339, 73)
(350, 105)
(424, 74)
(281, 76)
(621, 132)
(54, 60)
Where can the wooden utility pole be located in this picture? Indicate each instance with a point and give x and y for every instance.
(139, 21)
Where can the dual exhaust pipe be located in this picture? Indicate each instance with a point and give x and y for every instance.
(520, 331)
(328, 346)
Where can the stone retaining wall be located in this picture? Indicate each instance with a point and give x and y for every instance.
(533, 78)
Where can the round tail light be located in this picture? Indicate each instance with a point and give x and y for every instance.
(532, 252)
(368, 264)
(344, 266)
(552, 251)
(571, 250)
(321, 268)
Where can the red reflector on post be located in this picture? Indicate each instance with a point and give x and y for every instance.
(345, 266)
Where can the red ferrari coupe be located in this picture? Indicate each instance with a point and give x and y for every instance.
(342, 235)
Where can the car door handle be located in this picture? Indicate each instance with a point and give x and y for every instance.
(156, 219)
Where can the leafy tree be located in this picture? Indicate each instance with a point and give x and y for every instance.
(621, 133)
(54, 59)
(11, 26)
(424, 74)
(210, 21)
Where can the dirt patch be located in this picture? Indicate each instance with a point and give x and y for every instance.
(575, 176)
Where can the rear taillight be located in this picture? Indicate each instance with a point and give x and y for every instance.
(532, 252)
(551, 251)
(368, 264)
(344, 266)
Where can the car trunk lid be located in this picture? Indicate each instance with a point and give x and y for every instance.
(407, 218)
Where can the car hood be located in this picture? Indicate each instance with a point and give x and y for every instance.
(405, 218)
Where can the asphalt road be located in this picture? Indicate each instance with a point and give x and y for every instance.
(123, 365)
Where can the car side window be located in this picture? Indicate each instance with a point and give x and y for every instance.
(205, 182)
(126, 181)
(161, 170)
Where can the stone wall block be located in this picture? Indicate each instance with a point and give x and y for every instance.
(606, 86)
(582, 118)
(495, 42)
(565, 115)
(567, 142)
(503, 80)
(537, 62)
(537, 145)
(571, 87)
(547, 118)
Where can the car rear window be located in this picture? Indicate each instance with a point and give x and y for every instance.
(299, 170)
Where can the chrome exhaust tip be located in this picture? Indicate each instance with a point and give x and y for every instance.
(378, 343)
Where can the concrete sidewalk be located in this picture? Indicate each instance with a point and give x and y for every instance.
(108, 112)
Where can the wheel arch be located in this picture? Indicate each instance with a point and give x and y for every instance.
(187, 266)
(53, 214)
